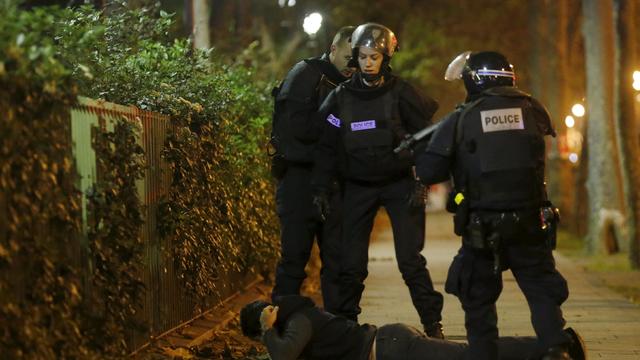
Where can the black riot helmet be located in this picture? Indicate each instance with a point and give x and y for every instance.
(482, 70)
(374, 36)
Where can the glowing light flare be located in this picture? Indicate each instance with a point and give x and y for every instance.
(578, 110)
(289, 3)
(569, 121)
(636, 76)
(636, 85)
(573, 157)
(312, 23)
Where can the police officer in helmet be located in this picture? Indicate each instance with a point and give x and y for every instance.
(493, 147)
(295, 133)
(366, 118)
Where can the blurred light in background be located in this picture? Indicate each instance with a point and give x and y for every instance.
(569, 121)
(573, 157)
(636, 80)
(312, 23)
(578, 110)
(289, 3)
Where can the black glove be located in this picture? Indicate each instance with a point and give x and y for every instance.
(278, 166)
(418, 197)
(321, 204)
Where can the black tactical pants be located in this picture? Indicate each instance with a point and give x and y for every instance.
(299, 226)
(361, 204)
(472, 280)
(402, 342)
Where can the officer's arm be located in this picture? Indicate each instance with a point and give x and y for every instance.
(417, 113)
(543, 118)
(325, 154)
(435, 163)
(290, 344)
(416, 110)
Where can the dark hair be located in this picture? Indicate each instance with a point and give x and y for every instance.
(250, 318)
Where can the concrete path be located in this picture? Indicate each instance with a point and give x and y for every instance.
(609, 323)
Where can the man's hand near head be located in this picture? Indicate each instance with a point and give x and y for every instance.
(268, 317)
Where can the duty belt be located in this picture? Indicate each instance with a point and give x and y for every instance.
(492, 230)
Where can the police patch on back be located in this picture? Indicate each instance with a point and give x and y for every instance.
(502, 119)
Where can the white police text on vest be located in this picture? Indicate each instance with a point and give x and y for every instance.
(502, 119)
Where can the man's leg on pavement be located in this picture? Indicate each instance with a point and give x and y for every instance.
(400, 341)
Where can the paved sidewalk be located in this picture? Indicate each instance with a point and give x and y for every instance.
(609, 323)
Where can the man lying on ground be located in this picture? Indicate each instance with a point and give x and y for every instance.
(294, 328)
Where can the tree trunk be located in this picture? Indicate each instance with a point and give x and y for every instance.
(629, 144)
(606, 221)
(200, 26)
(565, 182)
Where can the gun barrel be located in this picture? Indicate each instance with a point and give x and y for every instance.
(405, 144)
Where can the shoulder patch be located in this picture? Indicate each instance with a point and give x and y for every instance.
(502, 119)
(334, 120)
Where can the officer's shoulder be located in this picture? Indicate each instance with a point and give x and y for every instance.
(443, 141)
(450, 119)
(302, 71)
(404, 86)
(300, 82)
(408, 90)
(538, 105)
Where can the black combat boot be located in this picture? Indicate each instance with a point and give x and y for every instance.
(434, 330)
(577, 349)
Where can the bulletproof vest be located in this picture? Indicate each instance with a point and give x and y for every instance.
(369, 135)
(500, 152)
(307, 87)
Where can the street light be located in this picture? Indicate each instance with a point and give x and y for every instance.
(569, 121)
(573, 157)
(312, 23)
(578, 110)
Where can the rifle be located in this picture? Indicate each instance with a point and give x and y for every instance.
(412, 139)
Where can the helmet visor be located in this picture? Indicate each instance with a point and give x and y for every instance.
(456, 67)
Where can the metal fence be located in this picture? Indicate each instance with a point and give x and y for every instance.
(166, 305)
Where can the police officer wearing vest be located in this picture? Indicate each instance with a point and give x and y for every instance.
(295, 133)
(366, 117)
(493, 146)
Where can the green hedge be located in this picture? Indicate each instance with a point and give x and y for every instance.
(218, 215)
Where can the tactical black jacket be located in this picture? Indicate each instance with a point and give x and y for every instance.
(362, 126)
(296, 100)
(493, 146)
(304, 331)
